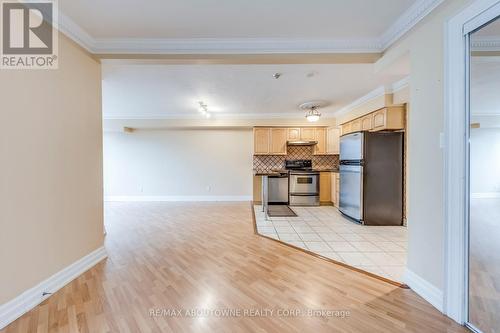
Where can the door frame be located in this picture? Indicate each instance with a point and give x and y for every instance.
(456, 195)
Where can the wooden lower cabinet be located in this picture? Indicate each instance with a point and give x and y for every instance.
(325, 187)
(335, 188)
(257, 189)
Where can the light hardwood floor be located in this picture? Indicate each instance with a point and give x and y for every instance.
(484, 264)
(206, 256)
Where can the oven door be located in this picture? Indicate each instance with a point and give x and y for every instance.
(304, 183)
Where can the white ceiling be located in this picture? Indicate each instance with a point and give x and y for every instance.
(235, 18)
(173, 91)
(240, 26)
(485, 86)
(487, 38)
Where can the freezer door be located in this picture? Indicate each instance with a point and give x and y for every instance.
(351, 147)
(351, 191)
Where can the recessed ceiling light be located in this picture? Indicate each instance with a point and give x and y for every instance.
(203, 108)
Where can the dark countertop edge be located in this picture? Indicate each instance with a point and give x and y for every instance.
(277, 173)
(266, 173)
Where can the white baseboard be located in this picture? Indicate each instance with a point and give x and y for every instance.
(186, 198)
(485, 195)
(426, 290)
(23, 303)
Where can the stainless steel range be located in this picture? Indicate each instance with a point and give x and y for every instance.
(304, 183)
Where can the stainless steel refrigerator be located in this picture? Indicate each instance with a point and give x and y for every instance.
(371, 177)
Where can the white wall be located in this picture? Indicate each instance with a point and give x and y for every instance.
(179, 164)
(485, 161)
(51, 211)
(425, 44)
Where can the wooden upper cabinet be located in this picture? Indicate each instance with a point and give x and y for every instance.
(356, 125)
(379, 118)
(345, 128)
(261, 141)
(333, 140)
(367, 123)
(320, 136)
(390, 118)
(278, 141)
(273, 140)
(293, 134)
(308, 134)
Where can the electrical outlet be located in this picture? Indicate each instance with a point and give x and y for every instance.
(209, 188)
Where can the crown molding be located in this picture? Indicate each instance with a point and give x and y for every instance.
(399, 85)
(402, 25)
(68, 27)
(378, 92)
(407, 21)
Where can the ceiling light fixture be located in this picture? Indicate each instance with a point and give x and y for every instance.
(311, 108)
(313, 115)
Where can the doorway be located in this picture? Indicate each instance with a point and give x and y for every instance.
(483, 250)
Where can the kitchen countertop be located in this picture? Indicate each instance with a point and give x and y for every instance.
(327, 170)
(281, 171)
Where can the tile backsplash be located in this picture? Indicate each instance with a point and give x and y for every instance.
(270, 162)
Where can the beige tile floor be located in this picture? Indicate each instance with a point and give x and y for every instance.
(323, 230)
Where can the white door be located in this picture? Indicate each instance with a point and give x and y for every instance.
(483, 255)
